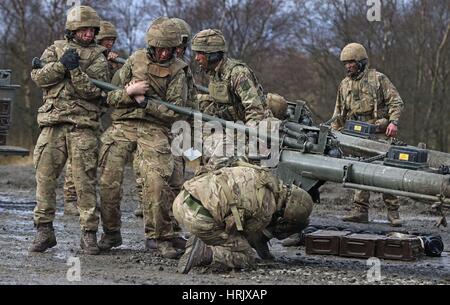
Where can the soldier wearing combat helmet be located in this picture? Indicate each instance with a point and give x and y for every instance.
(69, 121)
(142, 129)
(234, 209)
(235, 93)
(368, 95)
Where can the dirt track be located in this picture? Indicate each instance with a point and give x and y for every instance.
(130, 264)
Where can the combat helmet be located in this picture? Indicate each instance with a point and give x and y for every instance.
(107, 30)
(163, 33)
(185, 30)
(298, 206)
(354, 51)
(209, 41)
(293, 215)
(82, 16)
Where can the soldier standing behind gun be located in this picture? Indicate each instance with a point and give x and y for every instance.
(69, 122)
(142, 129)
(105, 38)
(234, 91)
(177, 179)
(369, 96)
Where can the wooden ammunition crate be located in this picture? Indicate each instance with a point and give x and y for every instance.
(324, 242)
(405, 249)
(359, 245)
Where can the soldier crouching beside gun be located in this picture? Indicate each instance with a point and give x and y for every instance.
(234, 209)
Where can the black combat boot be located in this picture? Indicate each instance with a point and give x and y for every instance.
(110, 240)
(45, 238)
(88, 242)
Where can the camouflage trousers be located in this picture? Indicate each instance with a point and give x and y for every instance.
(176, 180)
(362, 197)
(231, 250)
(149, 146)
(55, 145)
(70, 194)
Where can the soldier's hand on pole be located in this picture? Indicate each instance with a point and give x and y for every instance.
(112, 56)
(392, 130)
(36, 63)
(70, 59)
(137, 88)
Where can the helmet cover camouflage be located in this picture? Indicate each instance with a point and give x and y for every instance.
(209, 41)
(107, 30)
(354, 51)
(163, 33)
(185, 30)
(82, 17)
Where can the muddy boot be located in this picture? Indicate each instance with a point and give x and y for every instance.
(360, 213)
(166, 249)
(150, 244)
(45, 238)
(178, 242)
(110, 240)
(88, 242)
(138, 212)
(70, 209)
(292, 241)
(197, 254)
(394, 218)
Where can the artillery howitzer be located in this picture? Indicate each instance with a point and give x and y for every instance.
(7, 94)
(311, 156)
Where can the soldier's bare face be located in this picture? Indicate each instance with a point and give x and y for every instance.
(108, 43)
(85, 34)
(351, 67)
(202, 60)
(163, 54)
(180, 52)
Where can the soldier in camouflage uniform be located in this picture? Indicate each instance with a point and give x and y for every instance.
(69, 122)
(177, 179)
(105, 38)
(368, 95)
(234, 209)
(234, 91)
(142, 129)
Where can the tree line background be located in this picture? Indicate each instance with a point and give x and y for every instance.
(293, 46)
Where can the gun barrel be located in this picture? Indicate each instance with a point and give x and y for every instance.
(368, 174)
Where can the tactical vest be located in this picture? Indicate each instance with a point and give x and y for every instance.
(62, 103)
(228, 104)
(158, 76)
(361, 98)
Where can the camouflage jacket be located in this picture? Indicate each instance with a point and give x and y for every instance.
(167, 82)
(254, 191)
(69, 96)
(371, 98)
(234, 93)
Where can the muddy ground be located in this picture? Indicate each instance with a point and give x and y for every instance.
(130, 264)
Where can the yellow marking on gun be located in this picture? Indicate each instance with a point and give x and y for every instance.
(404, 157)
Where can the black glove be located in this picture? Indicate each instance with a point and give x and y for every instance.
(70, 59)
(259, 241)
